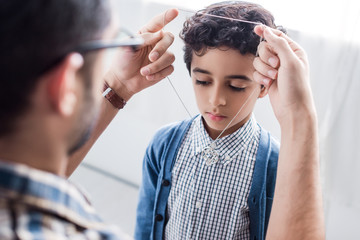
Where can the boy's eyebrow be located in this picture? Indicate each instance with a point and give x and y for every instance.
(199, 70)
(240, 77)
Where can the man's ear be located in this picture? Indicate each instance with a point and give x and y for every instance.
(62, 84)
(263, 91)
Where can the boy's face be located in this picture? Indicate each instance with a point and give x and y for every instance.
(222, 80)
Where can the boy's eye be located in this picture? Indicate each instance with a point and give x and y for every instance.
(199, 82)
(237, 89)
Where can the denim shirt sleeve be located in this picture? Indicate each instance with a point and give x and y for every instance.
(150, 172)
(145, 208)
(163, 144)
(263, 185)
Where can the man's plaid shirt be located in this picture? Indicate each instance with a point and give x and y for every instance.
(39, 205)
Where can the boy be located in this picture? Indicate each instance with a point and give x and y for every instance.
(187, 192)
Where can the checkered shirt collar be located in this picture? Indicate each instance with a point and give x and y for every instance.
(229, 146)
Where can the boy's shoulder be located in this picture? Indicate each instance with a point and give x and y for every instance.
(269, 143)
(270, 138)
(166, 141)
(165, 133)
(169, 134)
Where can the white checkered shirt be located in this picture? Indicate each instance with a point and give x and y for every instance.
(210, 202)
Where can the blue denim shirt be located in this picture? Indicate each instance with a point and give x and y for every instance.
(159, 159)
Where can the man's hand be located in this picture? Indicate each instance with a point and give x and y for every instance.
(297, 211)
(152, 62)
(282, 66)
(132, 72)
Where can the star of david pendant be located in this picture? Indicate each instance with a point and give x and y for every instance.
(210, 155)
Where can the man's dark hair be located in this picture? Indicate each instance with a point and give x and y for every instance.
(202, 32)
(34, 36)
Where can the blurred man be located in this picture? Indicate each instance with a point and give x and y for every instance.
(52, 55)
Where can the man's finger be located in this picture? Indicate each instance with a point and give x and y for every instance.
(259, 30)
(267, 55)
(160, 21)
(261, 79)
(164, 61)
(161, 47)
(152, 38)
(279, 41)
(293, 45)
(279, 45)
(264, 68)
(160, 75)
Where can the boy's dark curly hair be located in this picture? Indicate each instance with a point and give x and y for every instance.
(202, 32)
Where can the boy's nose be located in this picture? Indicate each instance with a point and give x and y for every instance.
(217, 98)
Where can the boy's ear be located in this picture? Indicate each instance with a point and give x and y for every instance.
(263, 91)
(62, 85)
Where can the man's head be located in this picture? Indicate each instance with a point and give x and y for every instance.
(219, 55)
(39, 71)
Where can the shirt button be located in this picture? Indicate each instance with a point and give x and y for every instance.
(227, 157)
(165, 183)
(158, 217)
(198, 204)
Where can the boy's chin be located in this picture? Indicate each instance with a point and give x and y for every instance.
(215, 127)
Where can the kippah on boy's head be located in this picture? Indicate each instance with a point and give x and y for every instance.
(202, 31)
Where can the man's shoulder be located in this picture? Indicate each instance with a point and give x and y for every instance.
(22, 219)
(17, 218)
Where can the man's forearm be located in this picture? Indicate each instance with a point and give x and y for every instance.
(107, 114)
(297, 211)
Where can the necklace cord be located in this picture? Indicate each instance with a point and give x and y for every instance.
(227, 126)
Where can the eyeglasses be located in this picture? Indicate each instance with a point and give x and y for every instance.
(123, 39)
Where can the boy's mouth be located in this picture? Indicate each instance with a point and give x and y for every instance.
(215, 117)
